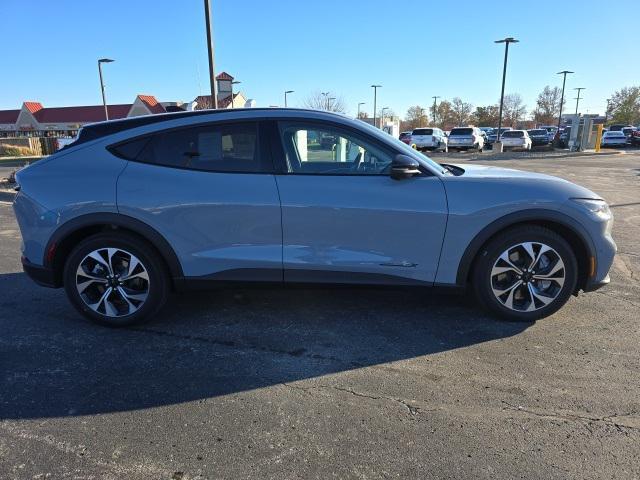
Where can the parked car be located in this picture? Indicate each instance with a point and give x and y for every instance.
(492, 137)
(617, 127)
(516, 139)
(562, 137)
(140, 207)
(635, 137)
(613, 139)
(466, 138)
(429, 139)
(405, 137)
(551, 131)
(486, 131)
(628, 132)
(539, 137)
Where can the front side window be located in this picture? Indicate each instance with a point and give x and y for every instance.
(321, 150)
(218, 148)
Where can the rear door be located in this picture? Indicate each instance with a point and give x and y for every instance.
(344, 220)
(210, 191)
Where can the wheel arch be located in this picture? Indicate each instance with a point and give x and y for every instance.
(75, 230)
(562, 224)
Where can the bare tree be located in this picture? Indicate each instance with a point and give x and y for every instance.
(416, 117)
(461, 111)
(513, 110)
(330, 102)
(547, 106)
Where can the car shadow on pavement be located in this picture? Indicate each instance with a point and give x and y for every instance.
(55, 364)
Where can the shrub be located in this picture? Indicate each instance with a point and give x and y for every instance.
(15, 151)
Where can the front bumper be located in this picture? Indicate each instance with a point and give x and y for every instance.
(593, 285)
(43, 276)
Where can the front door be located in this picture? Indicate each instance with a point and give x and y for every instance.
(344, 220)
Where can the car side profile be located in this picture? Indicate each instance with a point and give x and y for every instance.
(136, 209)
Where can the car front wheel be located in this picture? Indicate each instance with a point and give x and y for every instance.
(525, 274)
(115, 279)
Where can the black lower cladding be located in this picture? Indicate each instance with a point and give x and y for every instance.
(43, 276)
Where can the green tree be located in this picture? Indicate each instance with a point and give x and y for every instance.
(485, 116)
(444, 117)
(625, 106)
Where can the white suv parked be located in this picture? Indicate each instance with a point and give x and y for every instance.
(429, 139)
(516, 139)
(465, 138)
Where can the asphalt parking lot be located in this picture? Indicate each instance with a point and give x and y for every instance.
(329, 383)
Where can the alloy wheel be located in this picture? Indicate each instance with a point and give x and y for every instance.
(528, 276)
(112, 282)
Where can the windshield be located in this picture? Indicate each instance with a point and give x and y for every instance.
(461, 131)
(513, 134)
(423, 131)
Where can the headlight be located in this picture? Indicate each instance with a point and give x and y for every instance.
(595, 206)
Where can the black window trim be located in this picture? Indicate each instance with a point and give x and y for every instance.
(279, 153)
(265, 158)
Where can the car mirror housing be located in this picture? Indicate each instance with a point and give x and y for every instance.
(403, 167)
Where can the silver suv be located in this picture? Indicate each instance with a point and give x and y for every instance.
(466, 138)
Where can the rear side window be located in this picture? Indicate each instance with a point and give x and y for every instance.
(462, 131)
(130, 150)
(423, 131)
(215, 148)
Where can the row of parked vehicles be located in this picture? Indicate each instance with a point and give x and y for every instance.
(480, 138)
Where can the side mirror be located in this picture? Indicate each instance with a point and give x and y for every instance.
(403, 167)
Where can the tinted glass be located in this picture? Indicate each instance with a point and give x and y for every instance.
(462, 131)
(323, 150)
(129, 150)
(219, 148)
(538, 132)
(513, 134)
(423, 131)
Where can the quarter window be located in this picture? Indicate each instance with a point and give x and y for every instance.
(330, 151)
(218, 148)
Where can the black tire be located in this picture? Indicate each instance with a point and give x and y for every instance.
(489, 254)
(157, 285)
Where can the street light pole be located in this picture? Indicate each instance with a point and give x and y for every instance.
(579, 89)
(104, 100)
(506, 42)
(375, 99)
(234, 82)
(361, 103)
(564, 79)
(210, 50)
(285, 97)
(435, 97)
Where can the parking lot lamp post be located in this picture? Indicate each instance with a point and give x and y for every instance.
(285, 97)
(361, 103)
(564, 80)
(104, 101)
(579, 89)
(375, 99)
(435, 98)
(235, 82)
(210, 53)
(506, 42)
(606, 112)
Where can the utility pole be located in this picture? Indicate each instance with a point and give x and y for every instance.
(506, 42)
(375, 99)
(104, 100)
(210, 49)
(564, 79)
(579, 89)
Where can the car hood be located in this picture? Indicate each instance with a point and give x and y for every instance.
(515, 177)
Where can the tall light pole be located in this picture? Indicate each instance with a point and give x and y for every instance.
(361, 103)
(210, 50)
(506, 42)
(104, 100)
(325, 95)
(435, 98)
(579, 89)
(329, 102)
(285, 97)
(382, 115)
(564, 80)
(234, 82)
(375, 99)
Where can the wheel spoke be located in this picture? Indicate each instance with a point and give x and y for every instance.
(126, 298)
(505, 258)
(511, 288)
(509, 301)
(528, 247)
(537, 295)
(549, 275)
(543, 249)
(102, 299)
(98, 258)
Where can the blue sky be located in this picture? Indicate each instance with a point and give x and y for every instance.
(415, 49)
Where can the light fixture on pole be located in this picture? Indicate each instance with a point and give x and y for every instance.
(375, 99)
(579, 89)
(564, 80)
(234, 82)
(361, 103)
(506, 42)
(104, 100)
(285, 97)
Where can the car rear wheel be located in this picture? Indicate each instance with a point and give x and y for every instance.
(115, 279)
(525, 274)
